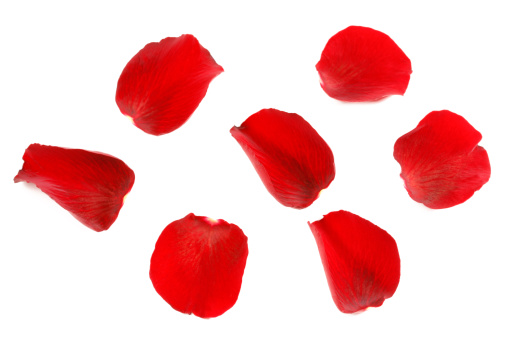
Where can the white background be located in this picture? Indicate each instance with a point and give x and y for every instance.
(59, 65)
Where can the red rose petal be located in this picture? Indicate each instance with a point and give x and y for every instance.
(291, 158)
(163, 84)
(90, 185)
(361, 64)
(441, 163)
(361, 260)
(197, 265)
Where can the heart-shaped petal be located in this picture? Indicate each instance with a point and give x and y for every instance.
(164, 83)
(361, 260)
(361, 64)
(91, 186)
(197, 265)
(441, 163)
(293, 161)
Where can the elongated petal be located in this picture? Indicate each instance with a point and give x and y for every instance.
(361, 64)
(197, 265)
(441, 163)
(291, 158)
(90, 185)
(361, 260)
(163, 84)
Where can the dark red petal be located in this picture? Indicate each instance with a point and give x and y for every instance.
(291, 158)
(361, 64)
(197, 265)
(441, 163)
(163, 84)
(361, 260)
(90, 185)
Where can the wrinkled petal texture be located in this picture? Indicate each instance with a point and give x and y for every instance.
(164, 83)
(441, 163)
(361, 260)
(361, 64)
(197, 265)
(91, 186)
(291, 158)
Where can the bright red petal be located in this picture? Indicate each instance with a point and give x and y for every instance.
(441, 163)
(361, 260)
(291, 158)
(90, 185)
(361, 64)
(164, 83)
(198, 264)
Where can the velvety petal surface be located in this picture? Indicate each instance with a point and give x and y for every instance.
(164, 83)
(293, 161)
(197, 265)
(441, 163)
(362, 64)
(90, 185)
(361, 260)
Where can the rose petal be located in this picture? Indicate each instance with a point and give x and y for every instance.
(291, 158)
(90, 185)
(441, 163)
(163, 84)
(361, 64)
(197, 265)
(361, 260)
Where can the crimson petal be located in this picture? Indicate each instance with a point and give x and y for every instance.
(197, 265)
(163, 84)
(361, 260)
(291, 158)
(361, 64)
(90, 185)
(441, 163)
